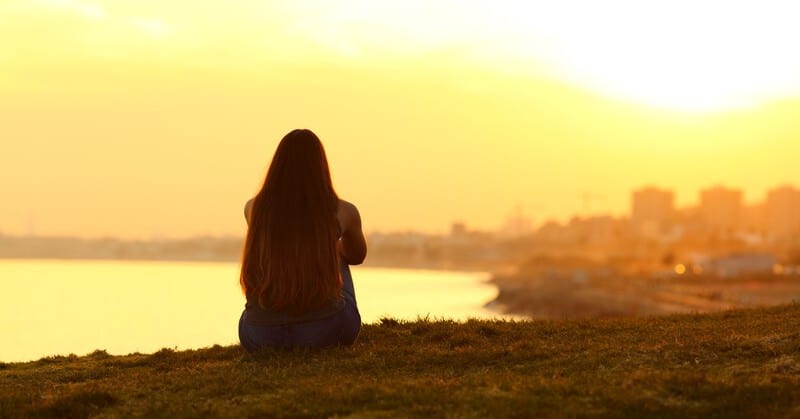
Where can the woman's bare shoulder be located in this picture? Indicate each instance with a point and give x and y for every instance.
(347, 206)
(348, 214)
(248, 209)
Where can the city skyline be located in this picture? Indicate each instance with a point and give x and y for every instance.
(642, 198)
(722, 208)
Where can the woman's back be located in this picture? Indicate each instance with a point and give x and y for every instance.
(301, 240)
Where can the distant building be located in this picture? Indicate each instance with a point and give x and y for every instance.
(737, 264)
(721, 209)
(551, 231)
(569, 268)
(602, 229)
(516, 225)
(754, 218)
(459, 235)
(458, 228)
(652, 210)
(782, 211)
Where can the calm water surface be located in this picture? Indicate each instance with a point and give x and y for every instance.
(62, 307)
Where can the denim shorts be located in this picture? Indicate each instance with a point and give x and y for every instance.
(341, 328)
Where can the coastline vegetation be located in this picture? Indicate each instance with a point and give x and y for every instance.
(738, 363)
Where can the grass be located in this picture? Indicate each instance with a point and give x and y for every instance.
(743, 363)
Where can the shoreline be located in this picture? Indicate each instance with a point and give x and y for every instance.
(413, 267)
(622, 297)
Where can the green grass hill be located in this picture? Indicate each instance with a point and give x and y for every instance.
(743, 363)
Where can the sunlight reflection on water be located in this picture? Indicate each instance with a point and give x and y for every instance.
(62, 307)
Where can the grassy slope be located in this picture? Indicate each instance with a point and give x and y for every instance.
(739, 363)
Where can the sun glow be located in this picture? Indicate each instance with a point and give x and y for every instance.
(686, 55)
(101, 99)
(698, 56)
(704, 55)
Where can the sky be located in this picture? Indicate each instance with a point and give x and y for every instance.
(144, 118)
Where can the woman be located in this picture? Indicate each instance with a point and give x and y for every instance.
(301, 239)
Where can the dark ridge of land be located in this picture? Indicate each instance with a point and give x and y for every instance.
(561, 298)
(197, 249)
(739, 363)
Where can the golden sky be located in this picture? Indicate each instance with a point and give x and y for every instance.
(142, 118)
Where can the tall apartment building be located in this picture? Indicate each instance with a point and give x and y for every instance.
(652, 210)
(721, 208)
(782, 211)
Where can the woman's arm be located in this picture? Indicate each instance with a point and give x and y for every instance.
(352, 245)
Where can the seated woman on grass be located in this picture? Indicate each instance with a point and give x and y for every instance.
(301, 239)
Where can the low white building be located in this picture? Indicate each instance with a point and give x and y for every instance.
(737, 264)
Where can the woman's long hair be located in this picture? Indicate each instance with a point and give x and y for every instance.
(290, 262)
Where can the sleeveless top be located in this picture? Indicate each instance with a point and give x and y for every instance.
(261, 316)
